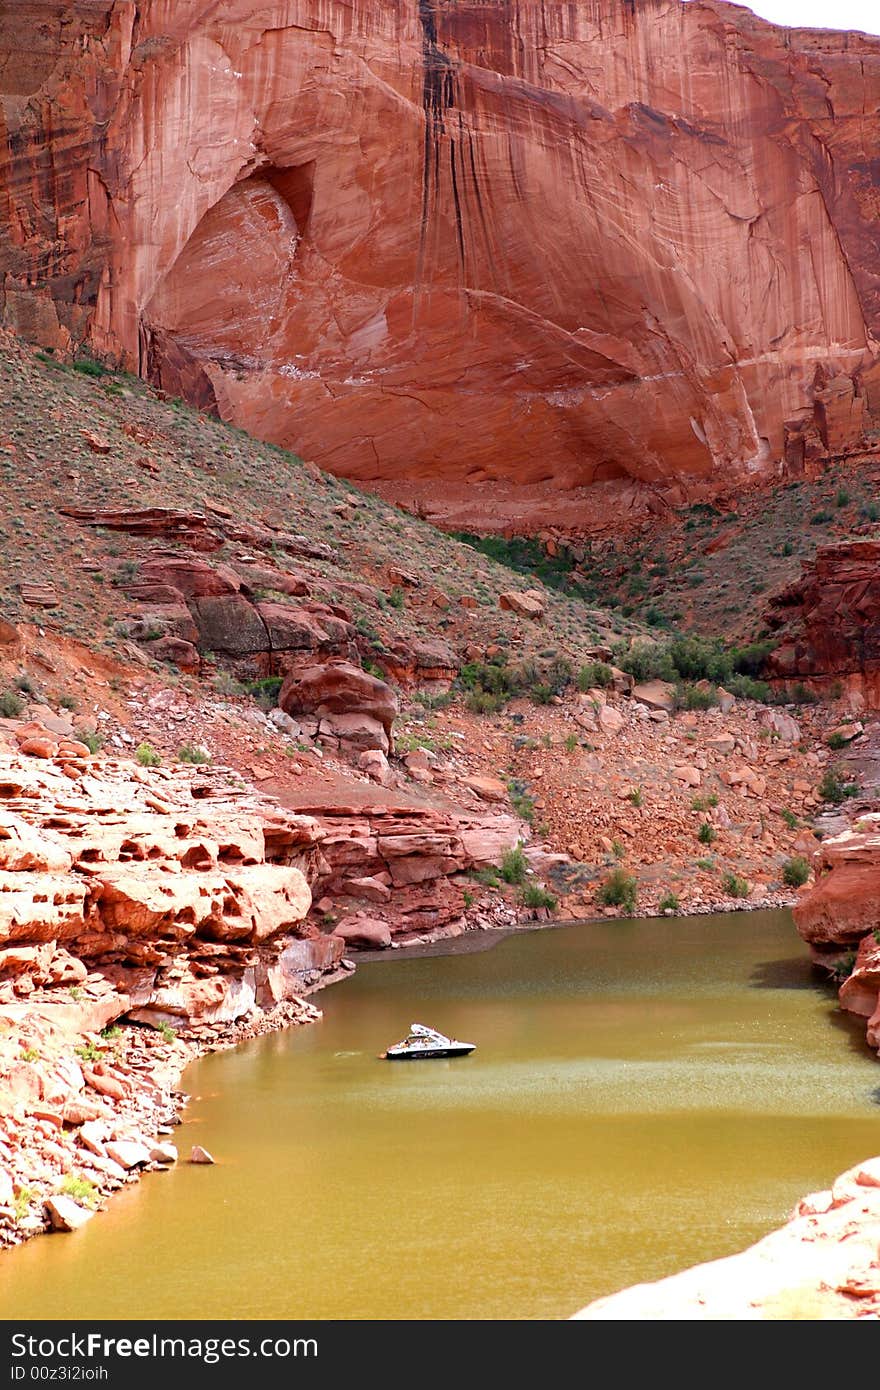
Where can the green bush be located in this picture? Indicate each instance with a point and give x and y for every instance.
(571, 742)
(790, 818)
(836, 741)
(11, 705)
(86, 366)
(833, 788)
(80, 1189)
(620, 889)
(513, 865)
(692, 697)
(481, 702)
(669, 903)
(745, 688)
(795, 871)
(821, 518)
(635, 796)
(147, 755)
(734, 886)
(707, 834)
(191, 753)
(594, 675)
(91, 740)
(534, 896)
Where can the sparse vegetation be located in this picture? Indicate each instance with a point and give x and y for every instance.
(11, 704)
(669, 903)
(514, 866)
(534, 896)
(620, 889)
(24, 1200)
(734, 886)
(707, 834)
(147, 755)
(92, 740)
(80, 1189)
(795, 871)
(191, 753)
(834, 788)
(596, 675)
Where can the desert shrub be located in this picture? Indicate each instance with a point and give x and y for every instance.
(836, 741)
(692, 697)
(594, 675)
(734, 886)
(620, 889)
(746, 688)
(513, 865)
(147, 755)
(80, 1189)
(93, 741)
(522, 803)
(669, 903)
(833, 788)
(790, 818)
(534, 896)
(795, 871)
(191, 753)
(11, 705)
(707, 834)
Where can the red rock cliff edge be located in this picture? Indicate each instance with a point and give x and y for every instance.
(460, 247)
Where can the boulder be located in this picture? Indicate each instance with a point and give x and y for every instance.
(487, 788)
(527, 605)
(369, 933)
(164, 1154)
(128, 1153)
(65, 1214)
(374, 763)
(200, 1155)
(655, 695)
(338, 688)
(609, 719)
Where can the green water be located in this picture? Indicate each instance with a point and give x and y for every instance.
(643, 1096)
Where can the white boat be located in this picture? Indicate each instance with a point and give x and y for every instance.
(422, 1042)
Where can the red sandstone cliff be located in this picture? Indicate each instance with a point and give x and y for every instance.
(460, 245)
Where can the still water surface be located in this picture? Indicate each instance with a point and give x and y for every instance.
(645, 1095)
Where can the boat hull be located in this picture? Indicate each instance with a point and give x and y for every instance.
(428, 1054)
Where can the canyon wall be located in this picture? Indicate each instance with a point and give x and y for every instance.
(476, 254)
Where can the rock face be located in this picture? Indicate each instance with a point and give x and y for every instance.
(166, 895)
(831, 622)
(354, 707)
(821, 1265)
(472, 254)
(841, 914)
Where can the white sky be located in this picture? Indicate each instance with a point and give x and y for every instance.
(820, 14)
